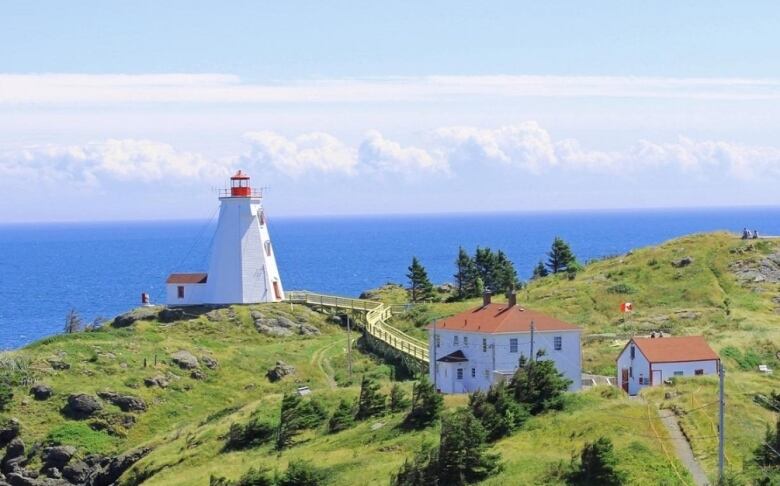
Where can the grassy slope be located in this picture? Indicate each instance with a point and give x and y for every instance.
(185, 421)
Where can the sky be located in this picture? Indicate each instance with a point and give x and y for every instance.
(141, 110)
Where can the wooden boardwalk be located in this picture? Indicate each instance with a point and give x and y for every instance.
(374, 320)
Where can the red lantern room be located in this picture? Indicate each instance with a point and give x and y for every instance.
(239, 185)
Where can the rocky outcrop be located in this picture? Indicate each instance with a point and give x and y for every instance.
(682, 262)
(184, 360)
(209, 362)
(57, 456)
(14, 459)
(135, 315)
(767, 269)
(76, 472)
(58, 364)
(108, 471)
(281, 326)
(197, 374)
(127, 403)
(158, 380)
(81, 406)
(9, 430)
(280, 370)
(41, 391)
(168, 315)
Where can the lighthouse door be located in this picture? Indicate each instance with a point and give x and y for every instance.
(277, 294)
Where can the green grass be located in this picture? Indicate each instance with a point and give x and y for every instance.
(187, 421)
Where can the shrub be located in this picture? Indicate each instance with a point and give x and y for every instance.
(621, 288)
(302, 473)
(398, 399)
(426, 405)
(6, 395)
(371, 402)
(343, 417)
(598, 465)
(253, 433)
(297, 414)
(539, 385)
(497, 411)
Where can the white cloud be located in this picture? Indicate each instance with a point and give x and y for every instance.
(385, 155)
(227, 88)
(319, 152)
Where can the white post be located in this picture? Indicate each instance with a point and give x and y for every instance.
(721, 422)
(533, 327)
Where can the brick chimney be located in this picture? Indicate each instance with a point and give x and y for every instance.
(511, 298)
(485, 297)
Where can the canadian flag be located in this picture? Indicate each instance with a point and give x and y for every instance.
(626, 307)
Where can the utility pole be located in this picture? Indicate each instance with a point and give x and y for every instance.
(533, 328)
(721, 422)
(433, 363)
(349, 349)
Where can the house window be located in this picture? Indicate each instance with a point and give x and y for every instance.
(698, 372)
(438, 341)
(180, 291)
(455, 340)
(473, 372)
(633, 352)
(484, 345)
(459, 374)
(487, 373)
(643, 380)
(558, 343)
(465, 340)
(678, 373)
(513, 345)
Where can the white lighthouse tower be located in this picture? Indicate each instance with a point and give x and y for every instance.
(242, 268)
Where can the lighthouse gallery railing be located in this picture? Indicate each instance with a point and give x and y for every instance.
(376, 315)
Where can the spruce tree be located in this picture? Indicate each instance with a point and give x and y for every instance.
(766, 455)
(498, 411)
(422, 288)
(463, 458)
(485, 263)
(465, 278)
(398, 399)
(560, 256)
(598, 465)
(504, 273)
(288, 423)
(343, 417)
(422, 470)
(539, 385)
(371, 402)
(539, 271)
(426, 405)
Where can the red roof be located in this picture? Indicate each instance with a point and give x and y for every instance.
(239, 175)
(187, 278)
(500, 318)
(675, 349)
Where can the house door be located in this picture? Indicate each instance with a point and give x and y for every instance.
(657, 378)
(624, 380)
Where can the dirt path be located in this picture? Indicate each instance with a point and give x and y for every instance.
(683, 448)
(318, 358)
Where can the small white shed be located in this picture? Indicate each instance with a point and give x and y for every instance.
(648, 361)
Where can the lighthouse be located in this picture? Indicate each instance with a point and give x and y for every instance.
(242, 266)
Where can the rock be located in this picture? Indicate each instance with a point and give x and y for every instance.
(158, 380)
(53, 473)
(76, 472)
(272, 331)
(58, 364)
(41, 391)
(682, 262)
(81, 406)
(197, 374)
(279, 371)
(377, 426)
(14, 459)
(9, 430)
(140, 314)
(127, 403)
(256, 315)
(108, 474)
(209, 362)
(308, 330)
(286, 323)
(169, 315)
(57, 456)
(185, 360)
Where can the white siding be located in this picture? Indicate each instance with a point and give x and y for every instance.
(193, 294)
(497, 358)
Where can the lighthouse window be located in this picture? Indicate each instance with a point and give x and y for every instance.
(180, 291)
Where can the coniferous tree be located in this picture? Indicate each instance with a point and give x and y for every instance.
(598, 465)
(540, 271)
(371, 402)
(463, 458)
(426, 405)
(422, 288)
(288, 423)
(504, 273)
(421, 470)
(398, 399)
(560, 256)
(465, 278)
(343, 417)
(539, 385)
(498, 411)
(302, 473)
(485, 263)
(766, 455)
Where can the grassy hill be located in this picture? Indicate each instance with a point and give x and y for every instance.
(726, 291)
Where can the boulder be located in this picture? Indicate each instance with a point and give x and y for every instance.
(58, 364)
(140, 314)
(14, 459)
(272, 331)
(81, 405)
(682, 262)
(9, 430)
(109, 473)
(158, 380)
(76, 472)
(308, 330)
(127, 403)
(52, 472)
(57, 456)
(41, 391)
(256, 315)
(197, 374)
(169, 315)
(209, 362)
(279, 371)
(185, 360)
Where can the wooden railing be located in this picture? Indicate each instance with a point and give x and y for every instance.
(376, 315)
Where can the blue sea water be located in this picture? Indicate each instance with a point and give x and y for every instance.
(100, 269)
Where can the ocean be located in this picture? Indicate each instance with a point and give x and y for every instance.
(100, 269)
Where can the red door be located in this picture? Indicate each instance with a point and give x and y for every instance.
(624, 381)
(276, 291)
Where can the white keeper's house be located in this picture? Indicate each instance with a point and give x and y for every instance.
(474, 349)
(648, 361)
(242, 267)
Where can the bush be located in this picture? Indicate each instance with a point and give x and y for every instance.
(302, 473)
(253, 477)
(371, 402)
(398, 399)
(497, 411)
(6, 395)
(343, 417)
(254, 433)
(598, 465)
(539, 385)
(426, 405)
(621, 288)
(297, 414)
